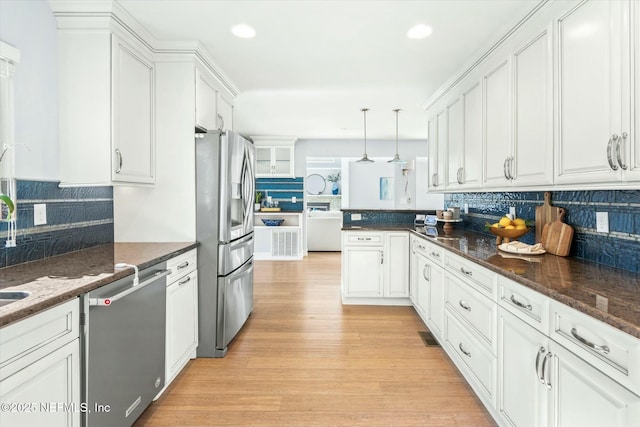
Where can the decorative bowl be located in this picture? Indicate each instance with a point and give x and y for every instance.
(272, 222)
(506, 234)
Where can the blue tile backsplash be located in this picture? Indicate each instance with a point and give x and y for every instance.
(620, 248)
(282, 190)
(77, 218)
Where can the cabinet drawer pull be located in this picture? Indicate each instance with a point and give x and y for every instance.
(119, 154)
(182, 282)
(466, 353)
(613, 139)
(421, 247)
(466, 272)
(619, 149)
(464, 305)
(601, 348)
(183, 265)
(364, 238)
(519, 304)
(435, 254)
(539, 372)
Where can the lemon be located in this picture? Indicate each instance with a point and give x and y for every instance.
(504, 221)
(518, 221)
(495, 225)
(521, 227)
(510, 227)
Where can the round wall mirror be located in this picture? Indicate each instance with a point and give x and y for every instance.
(315, 184)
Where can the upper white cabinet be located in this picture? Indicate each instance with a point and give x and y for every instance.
(469, 172)
(214, 107)
(594, 135)
(107, 106)
(274, 156)
(438, 127)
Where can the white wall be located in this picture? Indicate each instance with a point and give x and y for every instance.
(30, 27)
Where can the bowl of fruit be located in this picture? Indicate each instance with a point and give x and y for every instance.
(507, 229)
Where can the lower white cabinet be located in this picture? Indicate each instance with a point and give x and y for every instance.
(40, 369)
(182, 314)
(544, 384)
(375, 267)
(427, 285)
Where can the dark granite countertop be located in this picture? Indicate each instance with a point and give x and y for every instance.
(571, 281)
(63, 277)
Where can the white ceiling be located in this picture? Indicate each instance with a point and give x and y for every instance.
(314, 64)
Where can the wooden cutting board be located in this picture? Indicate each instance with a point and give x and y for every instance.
(544, 215)
(557, 236)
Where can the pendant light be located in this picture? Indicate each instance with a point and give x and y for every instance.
(396, 158)
(364, 158)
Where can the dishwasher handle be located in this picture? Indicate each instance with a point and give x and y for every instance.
(106, 302)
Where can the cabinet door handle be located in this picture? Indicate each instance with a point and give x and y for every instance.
(504, 168)
(619, 148)
(459, 176)
(613, 139)
(464, 305)
(466, 272)
(182, 282)
(119, 154)
(427, 276)
(539, 373)
(601, 348)
(434, 179)
(466, 353)
(519, 304)
(381, 257)
(510, 168)
(546, 377)
(221, 121)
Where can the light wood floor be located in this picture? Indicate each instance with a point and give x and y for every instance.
(304, 359)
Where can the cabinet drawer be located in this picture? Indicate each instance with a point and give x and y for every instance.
(529, 305)
(362, 239)
(478, 312)
(479, 277)
(182, 265)
(608, 349)
(429, 250)
(60, 323)
(481, 363)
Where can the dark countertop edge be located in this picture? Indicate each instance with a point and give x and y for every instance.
(610, 319)
(413, 211)
(45, 303)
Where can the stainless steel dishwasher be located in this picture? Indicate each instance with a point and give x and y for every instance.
(124, 347)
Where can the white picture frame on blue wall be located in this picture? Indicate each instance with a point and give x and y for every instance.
(386, 188)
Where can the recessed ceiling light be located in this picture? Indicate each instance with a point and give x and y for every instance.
(419, 31)
(243, 31)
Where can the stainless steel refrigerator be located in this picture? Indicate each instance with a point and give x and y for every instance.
(225, 188)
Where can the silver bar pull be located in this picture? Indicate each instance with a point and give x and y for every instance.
(459, 176)
(510, 169)
(435, 254)
(182, 282)
(539, 373)
(619, 149)
(546, 377)
(183, 265)
(601, 348)
(504, 168)
(364, 238)
(221, 121)
(381, 257)
(613, 139)
(427, 276)
(464, 305)
(466, 353)
(119, 154)
(434, 179)
(519, 304)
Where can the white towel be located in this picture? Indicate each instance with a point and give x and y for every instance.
(524, 248)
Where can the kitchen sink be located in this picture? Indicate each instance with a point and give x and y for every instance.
(7, 297)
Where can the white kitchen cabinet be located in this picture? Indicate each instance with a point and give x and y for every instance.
(593, 99)
(418, 271)
(214, 106)
(181, 340)
(282, 242)
(107, 106)
(438, 151)
(40, 368)
(497, 123)
(542, 383)
(375, 267)
(470, 169)
(427, 277)
(455, 142)
(274, 156)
